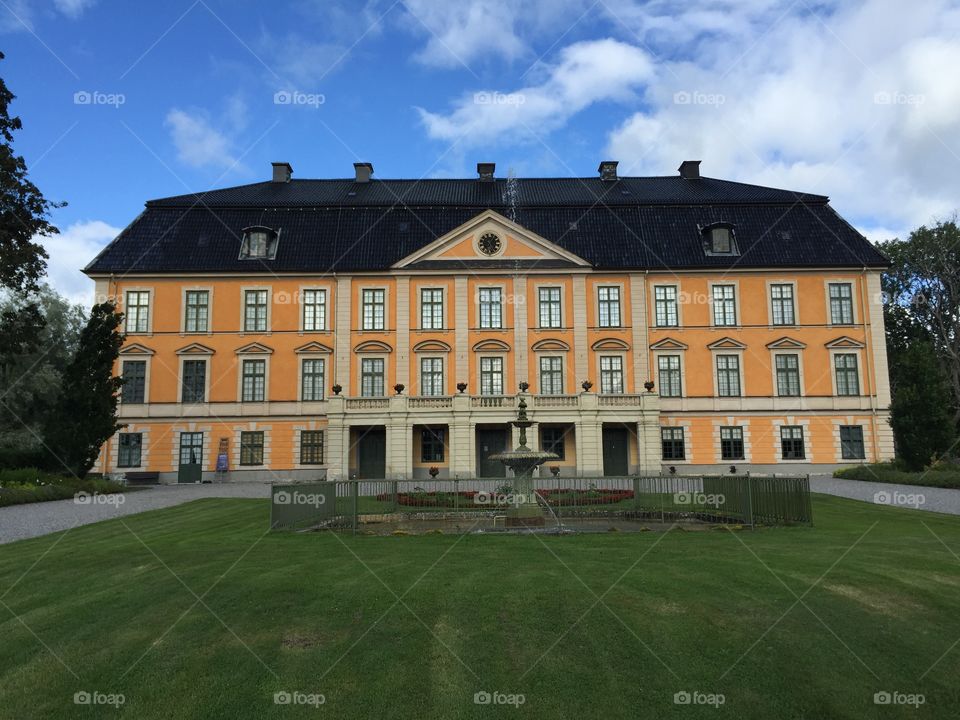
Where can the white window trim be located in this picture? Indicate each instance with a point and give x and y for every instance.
(386, 307)
(301, 307)
(298, 431)
(683, 425)
(773, 368)
(791, 421)
(443, 370)
(503, 371)
(623, 370)
(146, 377)
(716, 374)
(541, 355)
(265, 459)
(537, 287)
(743, 423)
(206, 378)
(653, 305)
(444, 307)
(386, 374)
(243, 309)
(266, 377)
(183, 309)
(503, 305)
(738, 316)
(796, 303)
(150, 309)
(861, 390)
(868, 451)
(326, 375)
(852, 282)
(657, 354)
(623, 306)
(144, 432)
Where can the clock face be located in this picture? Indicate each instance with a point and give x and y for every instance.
(489, 244)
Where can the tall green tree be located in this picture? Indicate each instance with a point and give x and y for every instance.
(85, 415)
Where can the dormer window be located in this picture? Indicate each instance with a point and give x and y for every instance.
(259, 243)
(719, 239)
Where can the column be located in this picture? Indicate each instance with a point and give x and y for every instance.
(589, 431)
(461, 439)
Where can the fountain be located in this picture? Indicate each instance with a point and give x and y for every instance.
(525, 511)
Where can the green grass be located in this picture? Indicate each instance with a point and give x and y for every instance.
(318, 613)
(945, 475)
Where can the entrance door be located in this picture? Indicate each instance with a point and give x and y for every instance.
(191, 457)
(489, 442)
(372, 453)
(616, 460)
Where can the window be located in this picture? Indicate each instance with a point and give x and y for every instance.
(781, 304)
(128, 450)
(550, 307)
(431, 445)
(314, 310)
(665, 300)
(311, 447)
(134, 381)
(431, 376)
(194, 381)
(671, 440)
(552, 439)
(251, 447)
(372, 377)
(431, 308)
(313, 379)
(254, 310)
(724, 305)
(719, 240)
(788, 375)
(191, 448)
(254, 381)
(197, 311)
(731, 443)
(841, 304)
(608, 303)
(669, 368)
(851, 442)
(374, 309)
(491, 308)
(791, 442)
(551, 376)
(491, 376)
(259, 243)
(138, 311)
(848, 381)
(611, 374)
(728, 375)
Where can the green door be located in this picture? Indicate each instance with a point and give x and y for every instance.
(489, 442)
(191, 458)
(616, 460)
(372, 454)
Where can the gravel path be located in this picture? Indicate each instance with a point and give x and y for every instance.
(18, 522)
(916, 497)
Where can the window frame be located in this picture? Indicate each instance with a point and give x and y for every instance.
(830, 284)
(557, 386)
(787, 372)
(732, 431)
(121, 464)
(323, 305)
(609, 303)
(146, 316)
(796, 450)
(727, 373)
(499, 304)
(550, 304)
(244, 315)
(673, 430)
(678, 370)
(373, 304)
(208, 320)
(202, 361)
(492, 373)
(192, 446)
(605, 373)
(433, 304)
(311, 446)
(304, 375)
(244, 375)
(728, 306)
(123, 374)
(668, 303)
(373, 375)
(433, 374)
(844, 444)
(435, 439)
(247, 458)
(838, 371)
(774, 302)
(551, 445)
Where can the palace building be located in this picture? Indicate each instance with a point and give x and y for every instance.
(297, 329)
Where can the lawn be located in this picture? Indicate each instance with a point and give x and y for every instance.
(113, 608)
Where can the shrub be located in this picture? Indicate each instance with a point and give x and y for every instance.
(29, 485)
(19, 457)
(946, 475)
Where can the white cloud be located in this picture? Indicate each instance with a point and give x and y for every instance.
(73, 8)
(587, 73)
(70, 252)
(198, 144)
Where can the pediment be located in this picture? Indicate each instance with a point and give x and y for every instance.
(136, 349)
(517, 243)
(669, 343)
(313, 347)
(844, 341)
(431, 346)
(195, 349)
(491, 346)
(254, 348)
(373, 346)
(727, 343)
(786, 343)
(550, 344)
(610, 344)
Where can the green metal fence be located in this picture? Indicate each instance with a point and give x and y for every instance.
(303, 505)
(737, 499)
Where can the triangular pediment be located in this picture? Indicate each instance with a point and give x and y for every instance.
(669, 343)
(844, 341)
(727, 343)
(313, 347)
(136, 349)
(195, 349)
(254, 348)
(512, 243)
(786, 343)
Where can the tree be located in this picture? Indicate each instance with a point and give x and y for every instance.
(85, 416)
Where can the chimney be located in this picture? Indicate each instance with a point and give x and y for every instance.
(690, 169)
(608, 170)
(282, 172)
(362, 171)
(485, 171)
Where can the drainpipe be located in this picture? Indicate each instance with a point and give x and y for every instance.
(871, 369)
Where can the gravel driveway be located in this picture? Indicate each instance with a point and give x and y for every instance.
(915, 497)
(18, 522)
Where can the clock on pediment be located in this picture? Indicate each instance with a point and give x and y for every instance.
(489, 244)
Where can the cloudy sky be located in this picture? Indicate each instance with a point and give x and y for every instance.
(122, 102)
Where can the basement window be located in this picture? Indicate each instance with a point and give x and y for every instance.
(719, 239)
(259, 243)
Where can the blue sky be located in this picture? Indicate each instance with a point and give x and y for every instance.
(122, 102)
